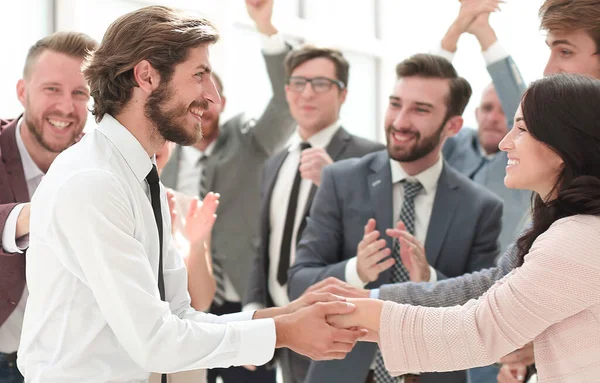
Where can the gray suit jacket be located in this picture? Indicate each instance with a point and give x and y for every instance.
(462, 237)
(233, 170)
(342, 146)
(463, 152)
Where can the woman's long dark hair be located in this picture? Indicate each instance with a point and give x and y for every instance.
(563, 112)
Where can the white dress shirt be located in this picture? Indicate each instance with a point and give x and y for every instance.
(94, 312)
(492, 55)
(10, 331)
(279, 205)
(423, 207)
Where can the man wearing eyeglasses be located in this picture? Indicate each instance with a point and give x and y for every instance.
(316, 90)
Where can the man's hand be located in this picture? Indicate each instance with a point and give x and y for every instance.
(334, 286)
(261, 12)
(370, 251)
(309, 299)
(23, 221)
(412, 253)
(307, 332)
(201, 217)
(312, 162)
(471, 9)
(512, 373)
(367, 316)
(515, 364)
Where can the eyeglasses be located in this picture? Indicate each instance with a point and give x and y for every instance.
(318, 84)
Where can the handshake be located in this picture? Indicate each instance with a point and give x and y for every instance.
(321, 324)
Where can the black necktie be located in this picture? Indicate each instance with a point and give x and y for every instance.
(288, 229)
(152, 179)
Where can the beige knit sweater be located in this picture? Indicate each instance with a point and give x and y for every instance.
(552, 299)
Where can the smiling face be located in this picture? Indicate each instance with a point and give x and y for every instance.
(55, 96)
(531, 164)
(572, 52)
(415, 120)
(176, 107)
(315, 111)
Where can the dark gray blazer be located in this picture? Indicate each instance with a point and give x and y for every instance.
(241, 149)
(463, 153)
(342, 146)
(462, 237)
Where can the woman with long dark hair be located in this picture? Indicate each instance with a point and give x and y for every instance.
(553, 298)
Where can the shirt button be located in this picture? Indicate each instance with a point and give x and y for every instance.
(11, 302)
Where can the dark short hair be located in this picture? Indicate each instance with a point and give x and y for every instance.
(307, 52)
(432, 66)
(74, 44)
(158, 34)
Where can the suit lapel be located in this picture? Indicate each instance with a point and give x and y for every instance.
(444, 206)
(380, 190)
(472, 158)
(12, 162)
(271, 178)
(212, 161)
(169, 175)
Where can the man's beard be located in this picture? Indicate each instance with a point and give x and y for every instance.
(171, 123)
(422, 148)
(35, 127)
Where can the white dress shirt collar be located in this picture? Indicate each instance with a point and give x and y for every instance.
(127, 145)
(428, 177)
(318, 140)
(192, 155)
(30, 169)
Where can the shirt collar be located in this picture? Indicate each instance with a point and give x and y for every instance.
(128, 146)
(428, 177)
(30, 169)
(192, 155)
(318, 140)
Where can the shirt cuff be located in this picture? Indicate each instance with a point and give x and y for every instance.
(439, 51)
(257, 341)
(351, 274)
(9, 242)
(272, 45)
(494, 53)
(374, 294)
(432, 275)
(253, 306)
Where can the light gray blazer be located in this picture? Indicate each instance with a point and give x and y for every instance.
(463, 153)
(462, 237)
(234, 171)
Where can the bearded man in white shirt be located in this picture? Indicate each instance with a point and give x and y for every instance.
(108, 291)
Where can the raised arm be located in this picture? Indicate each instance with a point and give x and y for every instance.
(507, 79)
(469, 12)
(274, 127)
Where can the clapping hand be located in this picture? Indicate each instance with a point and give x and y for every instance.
(412, 253)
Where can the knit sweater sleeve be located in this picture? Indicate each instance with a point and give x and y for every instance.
(558, 279)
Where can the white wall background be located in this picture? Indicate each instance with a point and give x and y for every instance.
(374, 34)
